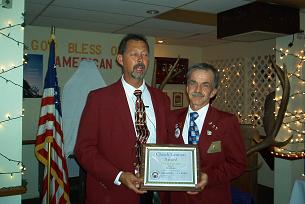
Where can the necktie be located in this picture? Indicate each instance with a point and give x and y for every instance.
(141, 127)
(193, 129)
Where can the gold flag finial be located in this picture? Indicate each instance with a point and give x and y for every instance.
(53, 30)
(52, 33)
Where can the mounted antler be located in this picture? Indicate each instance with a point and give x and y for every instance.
(171, 74)
(272, 126)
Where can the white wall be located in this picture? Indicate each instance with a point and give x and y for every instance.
(11, 98)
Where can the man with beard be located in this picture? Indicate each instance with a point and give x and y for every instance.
(108, 136)
(217, 135)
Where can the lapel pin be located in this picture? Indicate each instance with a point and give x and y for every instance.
(177, 130)
(209, 132)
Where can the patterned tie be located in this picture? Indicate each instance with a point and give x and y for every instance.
(141, 128)
(193, 129)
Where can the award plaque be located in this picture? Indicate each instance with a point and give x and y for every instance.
(169, 167)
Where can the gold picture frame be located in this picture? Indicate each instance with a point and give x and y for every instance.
(170, 167)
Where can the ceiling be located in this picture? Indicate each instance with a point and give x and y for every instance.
(179, 22)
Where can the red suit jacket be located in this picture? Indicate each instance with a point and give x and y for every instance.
(106, 142)
(222, 155)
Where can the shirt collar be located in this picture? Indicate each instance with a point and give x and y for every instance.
(200, 112)
(129, 89)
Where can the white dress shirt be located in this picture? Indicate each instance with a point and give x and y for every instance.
(202, 112)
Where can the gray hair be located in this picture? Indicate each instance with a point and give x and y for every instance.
(205, 67)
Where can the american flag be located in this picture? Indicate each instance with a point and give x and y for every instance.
(50, 130)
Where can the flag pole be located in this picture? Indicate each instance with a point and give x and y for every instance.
(49, 169)
(50, 140)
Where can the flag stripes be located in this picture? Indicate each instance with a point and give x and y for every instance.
(50, 131)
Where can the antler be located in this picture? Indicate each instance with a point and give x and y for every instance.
(272, 126)
(170, 74)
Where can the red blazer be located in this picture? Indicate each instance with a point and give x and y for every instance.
(223, 163)
(106, 141)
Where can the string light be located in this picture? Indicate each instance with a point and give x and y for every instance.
(11, 68)
(288, 154)
(10, 26)
(13, 39)
(25, 61)
(10, 81)
(9, 118)
(285, 53)
(20, 166)
(294, 120)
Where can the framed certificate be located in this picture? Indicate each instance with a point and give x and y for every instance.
(169, 167)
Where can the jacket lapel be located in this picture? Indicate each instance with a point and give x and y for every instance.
(181, 116)
(205, 131)
(154, 101)
(122, 109)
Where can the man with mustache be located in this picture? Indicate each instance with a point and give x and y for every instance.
(217, 135)
(108, 135)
